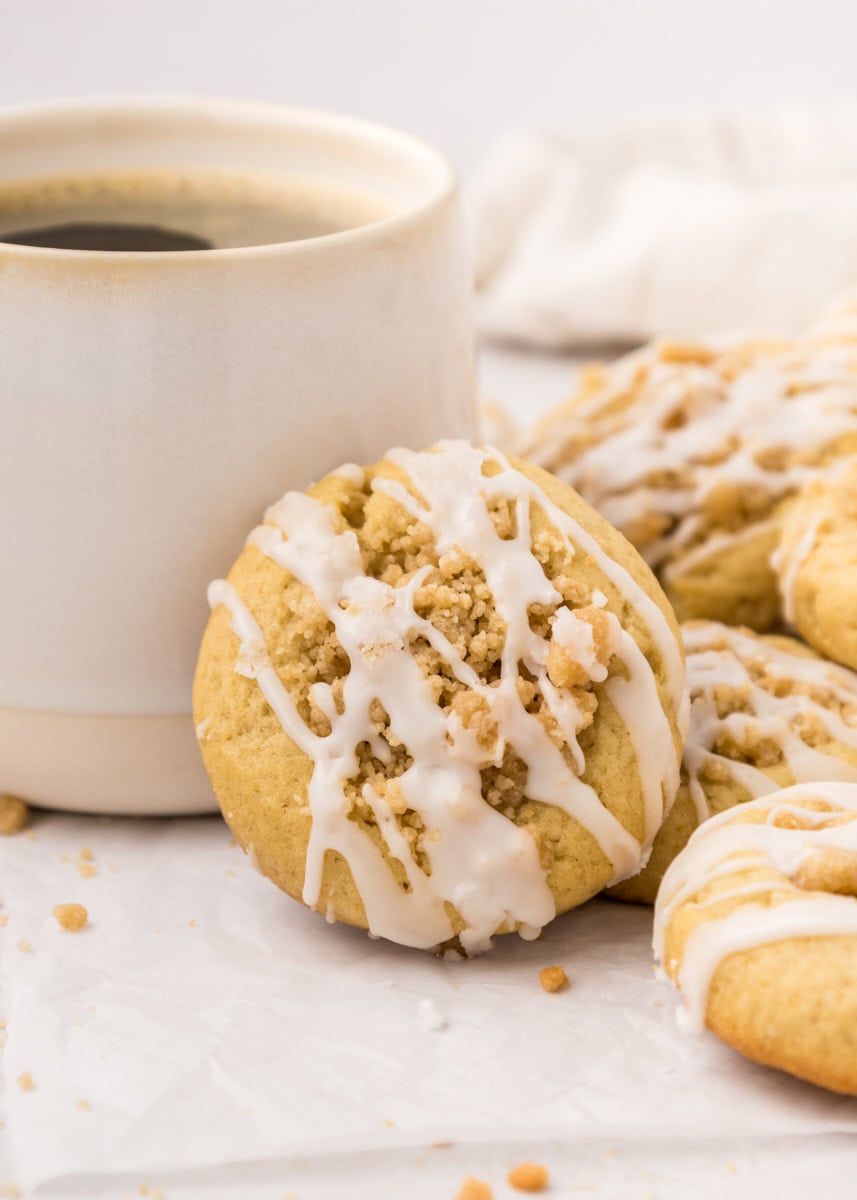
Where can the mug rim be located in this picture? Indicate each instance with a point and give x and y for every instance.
(444, 188)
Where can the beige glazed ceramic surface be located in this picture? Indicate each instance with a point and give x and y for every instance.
(153, 404)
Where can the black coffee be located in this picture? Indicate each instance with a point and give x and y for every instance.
(164, 210)
(91, 235)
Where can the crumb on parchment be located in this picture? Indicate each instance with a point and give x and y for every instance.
(85, 863)
(72, 917)
(475, 1189)
(26, 1082)
(529, 1177)
(14, 815)
(553, 979)
(24, 946)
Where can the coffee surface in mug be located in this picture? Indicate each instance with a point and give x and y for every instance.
(172, 210)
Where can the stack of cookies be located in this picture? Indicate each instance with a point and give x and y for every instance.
(732, 467)
(448, 696)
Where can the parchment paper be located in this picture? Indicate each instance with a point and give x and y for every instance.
(229, 1042)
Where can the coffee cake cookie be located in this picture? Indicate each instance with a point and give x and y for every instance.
(765, 712)
(692, 449)
(756, 923)
(817, 563)
(441, 698)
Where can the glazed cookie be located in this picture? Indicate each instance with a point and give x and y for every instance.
(817, 563)
(691, 451)
(756, 923)
(441, 698)
(765, 712)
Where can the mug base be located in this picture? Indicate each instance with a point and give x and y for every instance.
(116, 765)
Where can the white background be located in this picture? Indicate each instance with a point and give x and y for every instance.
(454, 71)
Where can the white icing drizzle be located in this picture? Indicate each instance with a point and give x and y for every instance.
(788, 565)
(720, 655)
(578, 637)
(663, 433)
(823, 496)
(516, 581)
(728, 845)
(480, 861)
(352, 473)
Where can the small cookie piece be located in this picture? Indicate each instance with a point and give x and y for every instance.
(474, 1189)
(692, 451)
(553, 979)
(529, 1177)
(756, 923)
(816, 563)
(765, 713)
(26, 1082)
(71, 917)
(442, 698)
(14, 815)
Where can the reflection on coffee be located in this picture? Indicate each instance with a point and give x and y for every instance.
(166, 210)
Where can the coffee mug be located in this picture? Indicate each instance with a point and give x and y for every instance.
(153, 403)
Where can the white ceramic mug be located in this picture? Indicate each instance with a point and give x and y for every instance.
(154, 403)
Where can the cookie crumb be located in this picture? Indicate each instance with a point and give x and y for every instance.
(24, 946)
(85, 854)
(14, 815)
(72, 917)
(529, 1177)
(26, 1082)
(553, 979)
(192, 922)
(9, 1189)
(84, 1105)
(4, 920)
(154, 1193)
(475, 1189)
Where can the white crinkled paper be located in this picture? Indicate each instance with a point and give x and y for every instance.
(231, 1043)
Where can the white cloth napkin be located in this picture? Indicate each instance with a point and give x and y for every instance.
(683, 227)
